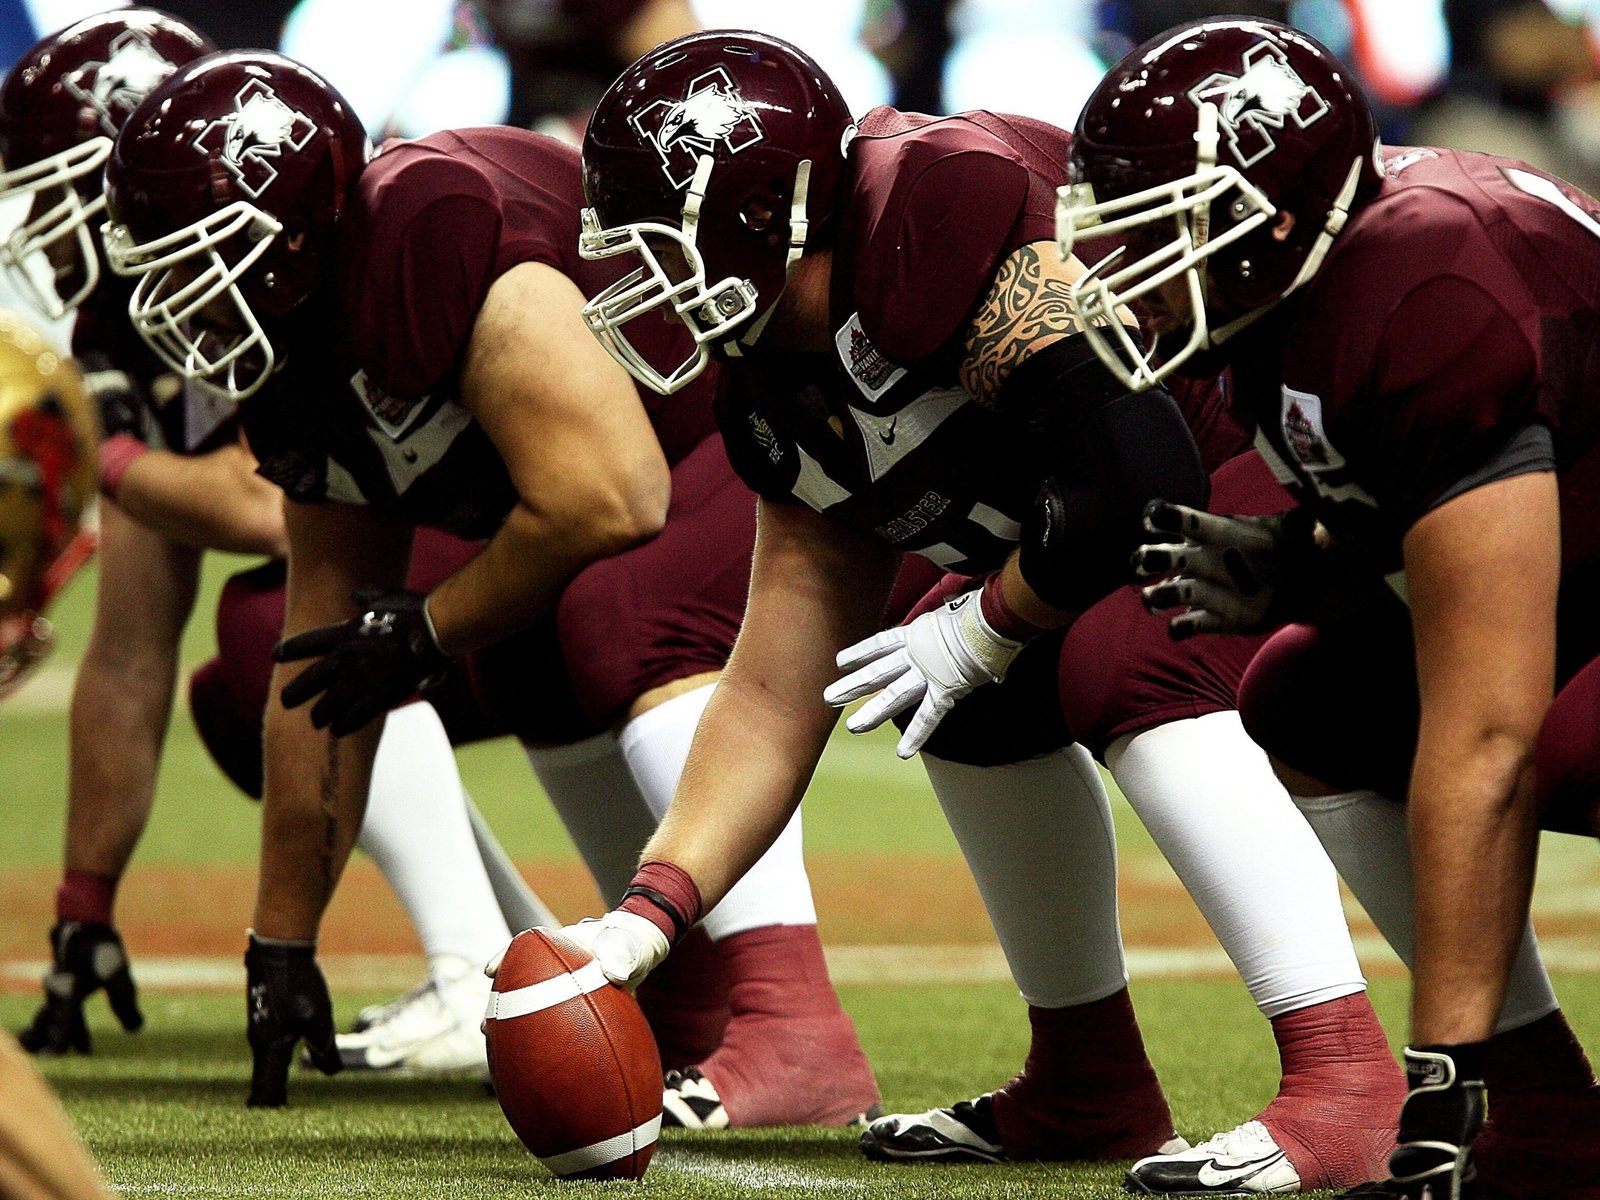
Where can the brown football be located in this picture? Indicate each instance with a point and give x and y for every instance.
(574, 1064)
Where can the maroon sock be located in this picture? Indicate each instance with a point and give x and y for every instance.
(1087, 1090)
(778, 970)
(85, 896)
(789, 1054)
(1338, 1106)
(1542, 1137)
(1542, 1056)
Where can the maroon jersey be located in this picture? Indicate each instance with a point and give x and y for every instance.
(1458, 311)
(880, 435)
(367, 410)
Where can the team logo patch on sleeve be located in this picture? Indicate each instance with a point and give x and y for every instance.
(711, 112)
(260, 129)
(1265, 95)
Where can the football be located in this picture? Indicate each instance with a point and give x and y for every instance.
(574, 1064)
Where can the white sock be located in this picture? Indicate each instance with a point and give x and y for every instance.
(416, 830)
(1214, 808)
(1366, 836)
(597, 800)
(1038, 838)
(519, 904)
(776, 891)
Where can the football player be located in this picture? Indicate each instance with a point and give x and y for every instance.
(48, 433)
(1411, 330)
(900, 375)
(402, 337)
(175, 480)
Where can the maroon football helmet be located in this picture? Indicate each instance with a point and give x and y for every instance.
(60, 106)
(223, 190)
(1188, 151)
(716, 159)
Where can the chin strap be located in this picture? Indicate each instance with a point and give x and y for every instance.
(1337, 216)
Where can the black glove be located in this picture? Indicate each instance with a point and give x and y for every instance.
(367, 664)
(121, 399)
(287, 999)
(1229, 574)
(85, 957)
(1443, 1112)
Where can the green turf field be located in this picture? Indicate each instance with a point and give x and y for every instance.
(163, 1112)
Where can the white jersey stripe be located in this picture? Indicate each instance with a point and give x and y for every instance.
(537, 997)
(996, 522)
(586, 1158)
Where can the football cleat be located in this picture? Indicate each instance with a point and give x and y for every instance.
(1240, 1162)
(688, 1101)
(435, 1027)
(964, 1132)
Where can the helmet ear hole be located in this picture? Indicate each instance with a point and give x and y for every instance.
(758, 211)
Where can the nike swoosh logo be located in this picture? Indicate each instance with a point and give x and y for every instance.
(1213, 1174)
(886, 436)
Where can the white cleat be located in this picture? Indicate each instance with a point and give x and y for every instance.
(433, 1028)
(1241, 1162)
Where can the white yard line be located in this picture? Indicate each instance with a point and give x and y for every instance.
(946, 965)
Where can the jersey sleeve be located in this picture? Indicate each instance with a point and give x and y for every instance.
(767, 462)
(944, 228)
(431, 240)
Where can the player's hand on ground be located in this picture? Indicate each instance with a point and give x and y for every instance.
(1226, 574)
(286, 999)
(1443, 1113)
(928, 664)
(365, 666)
(85, 956)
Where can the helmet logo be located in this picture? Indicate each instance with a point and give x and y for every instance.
(256, 132)
(115, 86)
(711, 111)
(1266, 94)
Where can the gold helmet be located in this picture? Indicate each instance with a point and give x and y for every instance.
(48, 436)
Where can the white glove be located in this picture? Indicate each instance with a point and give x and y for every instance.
(627, 946)
(932, 663)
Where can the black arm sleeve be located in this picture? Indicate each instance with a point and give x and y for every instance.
(1111, 452)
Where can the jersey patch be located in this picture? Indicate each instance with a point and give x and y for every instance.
(868, 367)
(407, 459)
(395, 415)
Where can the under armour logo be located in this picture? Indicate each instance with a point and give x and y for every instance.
(247, 140)
(114, 87)
(712, 112)
(1265, 95)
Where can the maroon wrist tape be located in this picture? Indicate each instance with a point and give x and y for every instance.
(1002, 618)
(663, 894)
(117, 453)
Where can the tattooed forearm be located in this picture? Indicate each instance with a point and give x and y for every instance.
(1027, 308)
(328, 852)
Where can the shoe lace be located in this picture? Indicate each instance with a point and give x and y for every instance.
(1249, 1140)
(408, 1007)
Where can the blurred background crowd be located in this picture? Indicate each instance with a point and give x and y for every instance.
(1520, 77)
(1496, 69)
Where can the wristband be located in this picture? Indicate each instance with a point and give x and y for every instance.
(116, 454)
(1002, 618)
(664, 894)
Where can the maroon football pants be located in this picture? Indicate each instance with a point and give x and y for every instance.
(661, 611)
(1115, 671)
